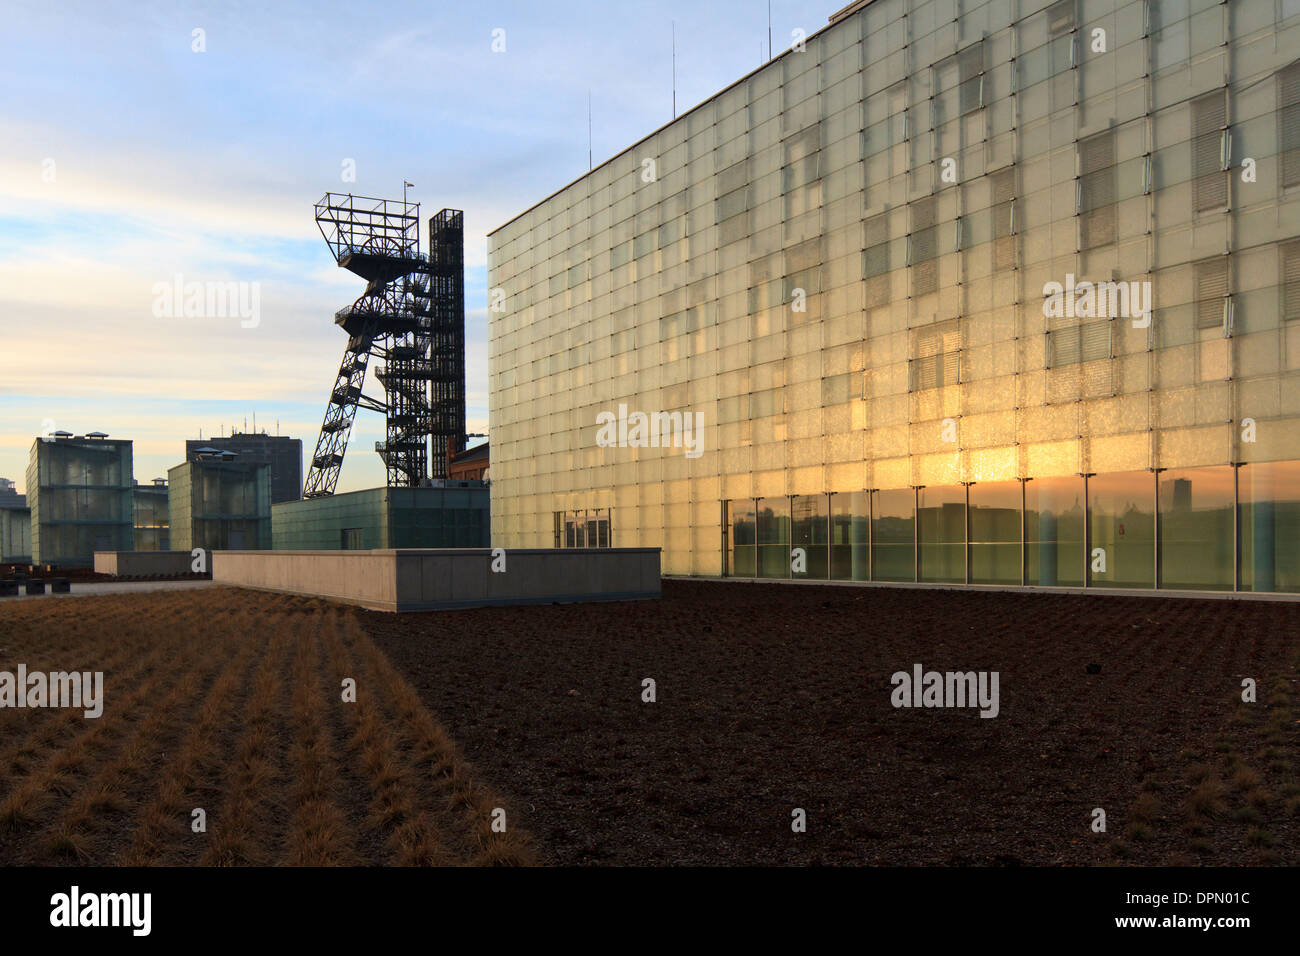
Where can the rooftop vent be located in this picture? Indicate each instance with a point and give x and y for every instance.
(96, 435)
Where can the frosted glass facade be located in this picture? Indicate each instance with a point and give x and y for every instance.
(81, 495)
(383, 518)
(152, 518)
(219, 506)
(842, 268)
(15, 535)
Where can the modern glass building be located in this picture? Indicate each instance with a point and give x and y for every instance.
(454, 515)
(1001, 292)
(219, 505)
(152, 516)
(80, 492)
(282, 453)
(15, 535)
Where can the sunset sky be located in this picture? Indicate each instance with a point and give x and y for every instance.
(130, 159)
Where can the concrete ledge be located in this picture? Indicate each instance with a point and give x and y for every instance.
(131, 564)
(1011, 588)
(447, 578)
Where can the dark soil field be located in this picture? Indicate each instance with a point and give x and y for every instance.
(774, 697)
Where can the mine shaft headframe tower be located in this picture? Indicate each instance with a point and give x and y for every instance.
(411, 315)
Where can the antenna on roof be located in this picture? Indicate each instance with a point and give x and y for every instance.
(769, 29)
(674, 69)
(590, 167)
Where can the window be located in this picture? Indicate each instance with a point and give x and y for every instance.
(353, 539)
(1004, 218)
(1097, 190)
(1085, 342)
(1209, 179)
(842, 388)
(732, 204)
(1291, 281)
(1060, 18)
(1061, 24)
(970, 65)
(875, 261)
(959, 82)
(923, 247)
(937, 351)
(583, 529)
(644, 244)
(1289, 123)
(800, 182)
(577, 274)
(1211, 280)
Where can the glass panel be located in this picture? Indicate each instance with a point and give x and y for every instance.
(1270, 526)
(942, 533)
(1196, 535)
(849, 519)
(892, 535)
(773, 526)
(995, 532)
(1121, 519)
(1054, 532)
(742, 538)
(810, 514)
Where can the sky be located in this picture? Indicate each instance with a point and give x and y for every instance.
(144, 144)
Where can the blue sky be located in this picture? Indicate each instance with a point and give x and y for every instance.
(128, 159)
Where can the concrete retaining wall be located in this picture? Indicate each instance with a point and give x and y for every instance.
(134, 564)
(411, 580)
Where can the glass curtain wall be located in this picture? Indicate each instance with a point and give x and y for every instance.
(850, 521)
(1216, 528)
(1054, 532)
(810, 514)
(773, 532)
(995, 532)
(1196, 528)
(1268, 516)
(741, 514)
(893, 534)
(941, 533)
(1122, 530)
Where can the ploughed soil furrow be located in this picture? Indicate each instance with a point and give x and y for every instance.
(228, 702)
(774, 698)
(355, 793)
(321, 835)
(242, 824)
(166, 819)
(97, 819)
(458, 817)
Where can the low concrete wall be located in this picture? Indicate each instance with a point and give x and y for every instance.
(137, 564)
(411, 580)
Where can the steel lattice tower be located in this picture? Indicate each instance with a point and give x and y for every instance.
(412, 316)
